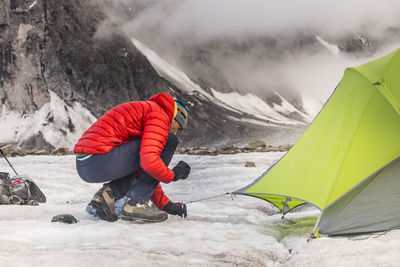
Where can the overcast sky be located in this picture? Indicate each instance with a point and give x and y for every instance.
(215, 18)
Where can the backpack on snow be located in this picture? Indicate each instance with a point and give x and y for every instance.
(19, 190)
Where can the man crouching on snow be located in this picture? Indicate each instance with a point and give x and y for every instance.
(130, 147)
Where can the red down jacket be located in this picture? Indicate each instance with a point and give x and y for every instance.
(149, 120)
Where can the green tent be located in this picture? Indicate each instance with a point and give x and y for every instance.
(347, 163)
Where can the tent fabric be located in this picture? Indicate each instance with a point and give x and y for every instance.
(371, 207)
(354, 135)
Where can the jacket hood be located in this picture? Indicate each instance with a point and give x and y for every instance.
(166, 102)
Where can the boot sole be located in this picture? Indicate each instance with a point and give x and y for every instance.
(141, 220)
(102, 212)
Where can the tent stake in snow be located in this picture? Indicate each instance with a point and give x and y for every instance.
(2, 153)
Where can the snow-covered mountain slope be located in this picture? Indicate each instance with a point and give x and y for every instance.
(68, 68)
(279, 113)
(55, 124)
(238, 87)
(168, 71)
(252, 104)
(332, 48)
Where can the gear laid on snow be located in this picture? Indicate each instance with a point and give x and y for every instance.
(181, 171)
(176, 209)
(64, 218)
(19, 190)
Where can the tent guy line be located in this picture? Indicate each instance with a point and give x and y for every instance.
(207, 198)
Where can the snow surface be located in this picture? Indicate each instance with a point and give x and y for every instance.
(242, 231)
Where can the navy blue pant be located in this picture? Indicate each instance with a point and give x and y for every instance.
(118, 167)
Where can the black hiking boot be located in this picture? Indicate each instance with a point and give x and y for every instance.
(134, 211)
(103, 203)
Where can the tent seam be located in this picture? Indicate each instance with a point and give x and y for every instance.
(355, 131)
(380, 82)
(267, 194)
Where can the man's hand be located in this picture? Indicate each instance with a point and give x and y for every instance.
(181, 171)
(176, 209)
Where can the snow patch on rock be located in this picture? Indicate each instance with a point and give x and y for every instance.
(332, 48)
(59, 123)
(252, 104)
(168, 71)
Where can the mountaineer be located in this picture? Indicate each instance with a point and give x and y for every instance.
(129, 149)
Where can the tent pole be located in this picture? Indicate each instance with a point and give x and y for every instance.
(313, 234)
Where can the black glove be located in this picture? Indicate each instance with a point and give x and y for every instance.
(181, 170)
(176, 209)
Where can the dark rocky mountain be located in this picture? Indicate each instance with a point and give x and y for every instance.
(59, 69)
(51, 46)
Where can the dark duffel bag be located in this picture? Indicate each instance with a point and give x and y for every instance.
(19, 190)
